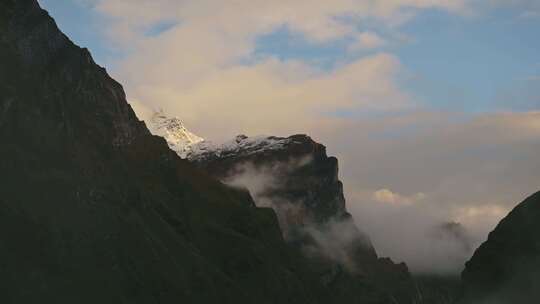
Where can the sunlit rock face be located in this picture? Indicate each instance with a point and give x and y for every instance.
(179, 139)
(506, 268)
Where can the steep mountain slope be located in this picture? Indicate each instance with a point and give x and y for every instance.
(300, 182)
(94, 209)
(506, 268)
(295, 177)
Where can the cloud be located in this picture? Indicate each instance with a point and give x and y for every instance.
(388, 197)
(367, 40)
(317, 20)
(335, 239)
(470, 169)
(414, 234)
(204, 67)
(263, 181)
(273, 96)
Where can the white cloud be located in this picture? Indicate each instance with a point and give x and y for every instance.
(388, 197)
(271, 96)
(471, 170)
(481, 215)
(318, 20)
(204, 69)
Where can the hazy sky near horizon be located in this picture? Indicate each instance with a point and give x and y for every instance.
(432, 106)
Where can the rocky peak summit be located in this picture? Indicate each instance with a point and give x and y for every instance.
(174, 132)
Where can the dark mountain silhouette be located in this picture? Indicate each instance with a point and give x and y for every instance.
(94, 209)
(506, 268)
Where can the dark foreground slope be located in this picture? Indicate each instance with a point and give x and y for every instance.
(506, 268)
(93, 209)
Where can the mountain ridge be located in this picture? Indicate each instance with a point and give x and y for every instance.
(506, 267)
(95, 209)
(295, 177)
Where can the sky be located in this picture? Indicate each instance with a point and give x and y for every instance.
(431, 106)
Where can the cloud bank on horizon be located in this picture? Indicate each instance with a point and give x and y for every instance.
(342, 73)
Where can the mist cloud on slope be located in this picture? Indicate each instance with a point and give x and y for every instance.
(332, 240)
(411, 232)
(262, 181)
(405, 177)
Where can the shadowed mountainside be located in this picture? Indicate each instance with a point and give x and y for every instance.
(295, 177)
(94, 209)
(506, 268)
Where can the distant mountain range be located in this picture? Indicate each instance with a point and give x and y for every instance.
(96, 209)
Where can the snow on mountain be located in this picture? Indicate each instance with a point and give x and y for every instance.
(242, 144)
(190, 146)
(173, 131)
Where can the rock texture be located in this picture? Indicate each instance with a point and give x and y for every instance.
(299, 177)
(295, 177)
(506, 268)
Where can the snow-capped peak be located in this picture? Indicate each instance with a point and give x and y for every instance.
(190, 146)
(241, 145)
(173, 131)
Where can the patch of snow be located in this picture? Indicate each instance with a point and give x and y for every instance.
(173, 131)
(242, 144)
(190, 146)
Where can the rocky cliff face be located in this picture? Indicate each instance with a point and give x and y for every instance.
(295, 177)
(94, 209)
(506, 268)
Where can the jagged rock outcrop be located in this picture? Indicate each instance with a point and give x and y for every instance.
(506, 268)
(297, 170)
(295, 177)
